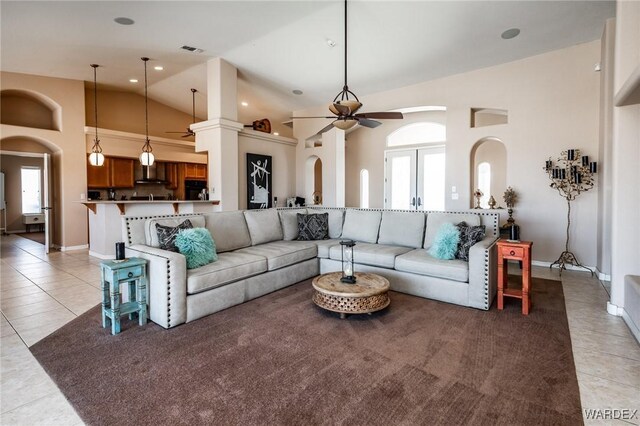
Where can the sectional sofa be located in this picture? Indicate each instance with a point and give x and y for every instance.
(258, 253)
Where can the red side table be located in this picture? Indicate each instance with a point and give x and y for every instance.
(514, 250)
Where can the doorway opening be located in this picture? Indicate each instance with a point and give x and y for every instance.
(313, 189)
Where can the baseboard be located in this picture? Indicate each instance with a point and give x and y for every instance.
(632, 326)
(602, 276)
(614, 309)
(569, 267)
(102, 256)
(72, 248)
(19, 231)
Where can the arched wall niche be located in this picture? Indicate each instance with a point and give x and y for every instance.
(313, 180)
(26, 108)
(28, 144)
(492, 151)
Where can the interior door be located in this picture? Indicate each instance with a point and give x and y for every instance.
(400, 180)
(430, 178)
(46, 208)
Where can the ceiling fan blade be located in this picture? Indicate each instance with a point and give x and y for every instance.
(381, 115)
(368, 123)
(293, 118)
(188, 135)
(339, 109)
(321, 131)
(176, 132)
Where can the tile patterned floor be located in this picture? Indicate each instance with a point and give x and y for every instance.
(40, 293)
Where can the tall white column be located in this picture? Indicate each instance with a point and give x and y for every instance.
(219, 134)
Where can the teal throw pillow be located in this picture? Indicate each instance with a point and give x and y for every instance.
(445, 245)
(197, 246)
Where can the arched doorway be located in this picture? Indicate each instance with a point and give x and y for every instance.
(313, 180)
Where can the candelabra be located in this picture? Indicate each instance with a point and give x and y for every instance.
(570, 176)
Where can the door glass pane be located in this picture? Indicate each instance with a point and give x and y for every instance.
(30, 181)
(401, 183)
(433, 180)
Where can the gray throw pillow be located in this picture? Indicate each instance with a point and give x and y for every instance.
(469, 235)
(167, 234)
(313, 226)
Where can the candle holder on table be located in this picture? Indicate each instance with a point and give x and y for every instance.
(571, 175)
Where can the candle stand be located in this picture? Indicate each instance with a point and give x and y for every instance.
(570, 176)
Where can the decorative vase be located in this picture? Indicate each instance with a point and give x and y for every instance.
(492, 202)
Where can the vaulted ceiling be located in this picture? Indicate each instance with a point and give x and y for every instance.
(279, 46)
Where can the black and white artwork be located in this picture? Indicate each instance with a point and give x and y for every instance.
(259, 181)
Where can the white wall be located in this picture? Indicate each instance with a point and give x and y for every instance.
(283, 153)
(553, 104)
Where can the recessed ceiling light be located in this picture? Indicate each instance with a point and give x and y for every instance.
(510, 33)
(330, 43)
(192, 49)
(133, 80)
(276, 134)
(297, 92)
(158, 68)
(243, 103)
(124, 21)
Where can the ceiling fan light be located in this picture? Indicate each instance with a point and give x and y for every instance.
(96, 159)
(352, 104)
(344, 124)
(147, 158)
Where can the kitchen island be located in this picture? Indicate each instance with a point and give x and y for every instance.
(105, 218)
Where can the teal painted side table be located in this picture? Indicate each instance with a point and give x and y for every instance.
(133, 272)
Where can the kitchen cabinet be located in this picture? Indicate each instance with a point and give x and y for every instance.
(171, 175)
(98, 176)
(195, 171)
(121, 173)
(115, 173)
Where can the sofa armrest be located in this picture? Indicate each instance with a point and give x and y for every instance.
(167, 274)
(483, 273)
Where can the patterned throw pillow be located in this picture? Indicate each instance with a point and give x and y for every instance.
(469, 235)
(313, 226)
(167, 234)
(197, 246)
(445, 245)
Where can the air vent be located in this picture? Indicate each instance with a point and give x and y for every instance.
(192, 49)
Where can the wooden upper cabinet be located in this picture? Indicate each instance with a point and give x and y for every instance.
(115, 173)
(171, 175)
(121, 173)
(195, 171)
(98, 176)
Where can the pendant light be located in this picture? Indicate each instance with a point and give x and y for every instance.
(96, 158)
(146, 158)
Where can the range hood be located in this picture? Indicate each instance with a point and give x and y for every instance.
(153, 174)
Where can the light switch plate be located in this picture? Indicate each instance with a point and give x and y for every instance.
(454, 189)
(454, 196)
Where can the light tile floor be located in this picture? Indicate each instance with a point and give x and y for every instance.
(40, 293)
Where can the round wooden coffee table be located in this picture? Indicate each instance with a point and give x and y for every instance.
(369, 294)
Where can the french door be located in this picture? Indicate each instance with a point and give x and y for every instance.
(414, 179)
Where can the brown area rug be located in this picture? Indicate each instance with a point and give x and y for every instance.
(38, 237)
(281, 360)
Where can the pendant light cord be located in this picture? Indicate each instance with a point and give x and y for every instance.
(146, 102)
(96, 143)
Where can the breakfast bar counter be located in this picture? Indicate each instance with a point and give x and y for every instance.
(105, 218)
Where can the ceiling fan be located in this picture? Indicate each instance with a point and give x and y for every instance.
(190, 132)
(345, 107)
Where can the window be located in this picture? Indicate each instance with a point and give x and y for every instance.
(484, 183)
(418, 134)
(30, 183)
(364, 188)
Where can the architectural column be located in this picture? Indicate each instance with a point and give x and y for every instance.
(219, 134)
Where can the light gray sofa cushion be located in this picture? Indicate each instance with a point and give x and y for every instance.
(264, 226)
(402, 229)
(380, 255)
(230, 267)
(420, 262)
(361, 225)
(435, 220)
(283, 253)
(228, 229)
(151, 235)
(289, 223)
(336, 220)
(324, 246)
